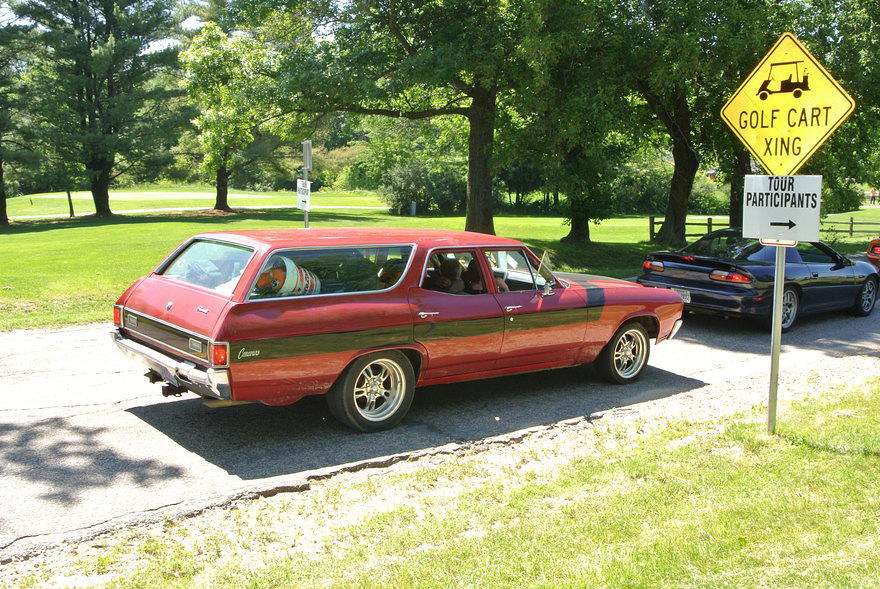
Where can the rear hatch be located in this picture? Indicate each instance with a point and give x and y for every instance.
(179, 308)
(174, 316)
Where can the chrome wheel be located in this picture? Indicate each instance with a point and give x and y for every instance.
(869, 295)
(789, 308)
(379, 389)
(630, 353)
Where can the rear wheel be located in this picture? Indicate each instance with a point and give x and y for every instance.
(375, 392)
(790, 308)
(625, 356)
(867, 298)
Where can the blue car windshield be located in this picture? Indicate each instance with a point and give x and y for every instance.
(726, 246)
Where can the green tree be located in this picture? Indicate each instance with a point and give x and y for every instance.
(412, 59)
(95, 90)
(220, 77)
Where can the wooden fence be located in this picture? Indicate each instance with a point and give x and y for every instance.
(709, 223)
(850, 228)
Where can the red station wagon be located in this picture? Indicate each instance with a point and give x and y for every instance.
(365, 315)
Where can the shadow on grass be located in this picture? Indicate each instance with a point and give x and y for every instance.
(803, 441)
(209, 219)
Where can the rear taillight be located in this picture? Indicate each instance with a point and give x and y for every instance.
(117, 315)
(655, 265)
(875, 250)
(220, 354)
(729, 276)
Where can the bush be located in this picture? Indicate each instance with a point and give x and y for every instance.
(354, 177)
(839, 197)
(443, 190)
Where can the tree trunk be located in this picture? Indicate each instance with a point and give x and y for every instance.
(4, 219)
(221, 202)
(677, 122)
(742, 166)
(683, 174)
(556, 198)
(100, 187)
(69, 204)
(480, 205)
(579, 234)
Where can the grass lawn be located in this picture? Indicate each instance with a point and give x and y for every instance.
(61, 272)
(684, 504)
(161, 197)
(74, 270)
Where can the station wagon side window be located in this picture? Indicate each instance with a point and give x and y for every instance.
(209, 264)
(513, 270)
(307, 272)
(455, 272)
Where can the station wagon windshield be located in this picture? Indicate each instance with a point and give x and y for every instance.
(210, 264)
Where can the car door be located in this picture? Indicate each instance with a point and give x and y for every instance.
(541, 326)
(461, 331)
(830, 284)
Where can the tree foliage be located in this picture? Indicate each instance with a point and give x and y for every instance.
(96, 91)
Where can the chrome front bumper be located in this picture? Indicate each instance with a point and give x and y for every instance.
(209, 382)
(675, 327)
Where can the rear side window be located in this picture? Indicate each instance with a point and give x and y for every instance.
(210, 264)
(296, 273)
(723, 245)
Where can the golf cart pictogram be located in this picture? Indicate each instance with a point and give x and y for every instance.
(795, 88)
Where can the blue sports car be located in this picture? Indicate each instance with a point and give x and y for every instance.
(724, 272)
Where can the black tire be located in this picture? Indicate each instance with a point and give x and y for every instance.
(350, 398)
(866, 299)
(790, 299)
(619, 371)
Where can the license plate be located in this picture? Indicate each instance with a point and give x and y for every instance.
(684, 294)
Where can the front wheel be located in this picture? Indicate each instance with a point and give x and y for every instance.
(375, 392)
(867, 298)
(625, 356)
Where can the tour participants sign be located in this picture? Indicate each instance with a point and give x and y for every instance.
(782, 208)
(787, 107)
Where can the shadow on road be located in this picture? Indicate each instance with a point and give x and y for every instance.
(67, 459)
(256, 441)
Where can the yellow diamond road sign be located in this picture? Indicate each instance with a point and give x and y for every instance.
(787, 107)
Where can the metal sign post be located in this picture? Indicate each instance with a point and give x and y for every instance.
(306, 193)
(776, 337)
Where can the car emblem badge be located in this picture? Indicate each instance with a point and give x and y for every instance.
(202, 310)
(168, 305)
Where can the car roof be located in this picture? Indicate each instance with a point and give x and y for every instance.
(354, 236)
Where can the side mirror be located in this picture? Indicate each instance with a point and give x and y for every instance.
(546, 291)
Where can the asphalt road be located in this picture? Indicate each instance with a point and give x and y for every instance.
(86, 444)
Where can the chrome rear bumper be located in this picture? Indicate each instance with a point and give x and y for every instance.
(209, 382)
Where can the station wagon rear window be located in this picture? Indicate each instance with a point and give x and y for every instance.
(210, 264)
(305, 272)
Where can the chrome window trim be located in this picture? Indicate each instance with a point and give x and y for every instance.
(270, 253)
(158, 271)
(496, 247)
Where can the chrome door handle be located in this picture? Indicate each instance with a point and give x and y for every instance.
(426, 314)
(512, 307)
(815, 275)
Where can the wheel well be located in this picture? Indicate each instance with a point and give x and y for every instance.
(650, 323)
(415, 358)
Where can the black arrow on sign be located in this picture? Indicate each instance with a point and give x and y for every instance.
(790, 224)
